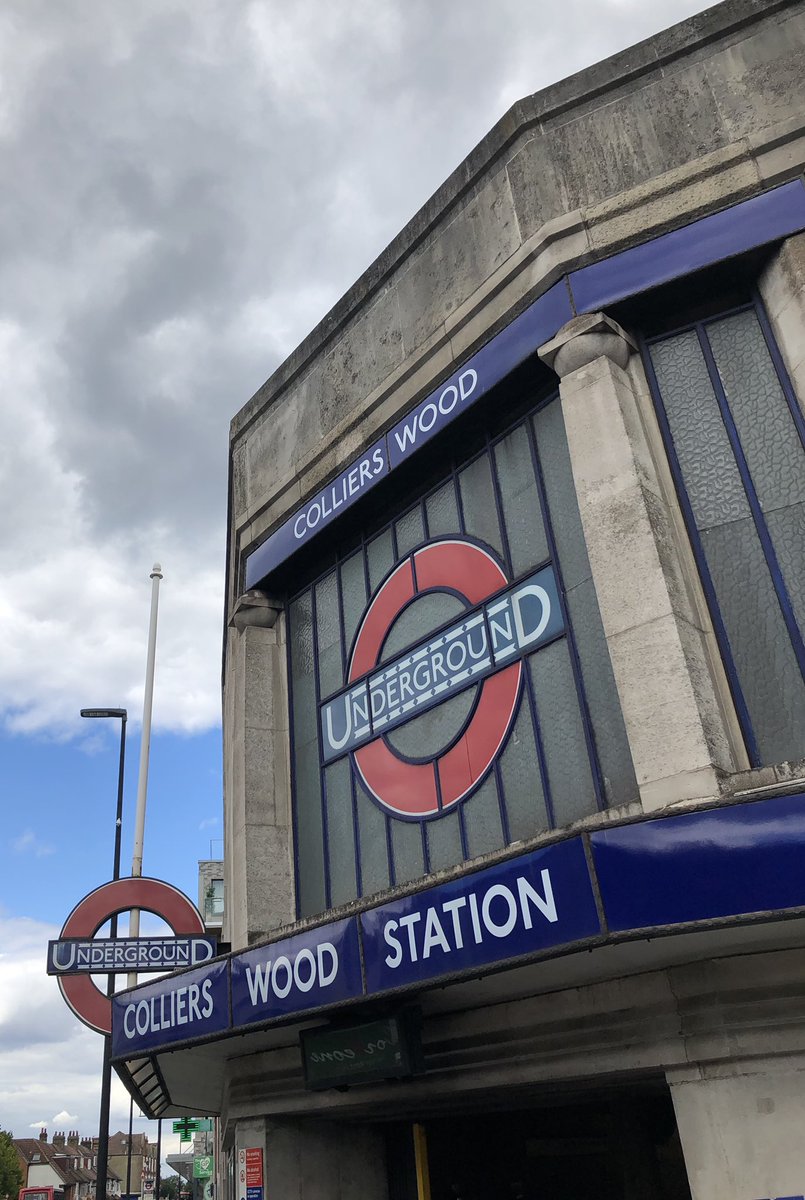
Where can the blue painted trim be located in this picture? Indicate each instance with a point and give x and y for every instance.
(705, 865)
(755, 222)
(708, 587)
(758, 221)
(769, 553)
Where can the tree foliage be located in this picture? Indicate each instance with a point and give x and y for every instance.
(169, 1187)
(10, 1174)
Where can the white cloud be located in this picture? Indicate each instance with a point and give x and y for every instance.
(29, 843)
(63, 1116)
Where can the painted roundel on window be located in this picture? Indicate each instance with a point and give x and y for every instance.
(426, 788)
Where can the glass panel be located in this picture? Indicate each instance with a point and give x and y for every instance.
(425, 736)
(787, 530)
(406, 842)
(769, 437)
(372, 837)
(522, 785)
(444, 841)
(482, 819)
(525, 530)
(301, 634)
(328, 635)
(711, 475)
(549, 429)
(418, 620)
(569, 775)
(307, 781)
(380, 556)
(309, 833)
(478, 503)
(353, 595)
(442, 511)
(612, 745)
(340, 832)
(410, 531)
(771, 679)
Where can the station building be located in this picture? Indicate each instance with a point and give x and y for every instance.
(514, 711)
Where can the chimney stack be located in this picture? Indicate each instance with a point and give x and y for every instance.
(43, 1135)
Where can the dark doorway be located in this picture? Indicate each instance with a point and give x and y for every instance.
(623, 1147)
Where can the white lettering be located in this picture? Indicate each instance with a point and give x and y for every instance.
(434, 934)
(546, 904)
(391, 940)
(282, 991)
(486, 904)
(304, 956)
(327, 948)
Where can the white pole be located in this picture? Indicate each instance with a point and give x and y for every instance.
(145, 747)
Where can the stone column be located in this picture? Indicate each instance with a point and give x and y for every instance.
(741, 1127)
(257, 773)
(679, 717)
(782, 288)
(310, 1159)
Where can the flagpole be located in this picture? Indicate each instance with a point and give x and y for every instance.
(145, 747)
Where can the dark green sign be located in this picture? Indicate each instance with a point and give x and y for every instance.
(337, 1056)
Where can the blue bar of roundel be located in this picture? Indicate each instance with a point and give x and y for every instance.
(387, 928)
(254, 970)
(748, 858)
(283, 542)
(493, 362)
(171, 1020)
(755, 222)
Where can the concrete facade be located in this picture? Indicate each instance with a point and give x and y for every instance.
(705, 1023)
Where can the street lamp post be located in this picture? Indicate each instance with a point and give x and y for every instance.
(106, 1076)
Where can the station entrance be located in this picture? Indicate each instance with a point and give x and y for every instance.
(622, 1146)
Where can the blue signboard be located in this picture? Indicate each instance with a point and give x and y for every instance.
(348, 487)
(472, 648)
(721, 862)
(177, 1009)
(519, 907)
(318, 967)
(492, 363)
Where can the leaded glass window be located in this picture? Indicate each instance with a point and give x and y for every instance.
(563, 753)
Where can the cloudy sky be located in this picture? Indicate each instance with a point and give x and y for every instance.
(188, 186)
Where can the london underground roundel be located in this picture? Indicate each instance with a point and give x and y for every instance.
(86, 1000)
(420, 789)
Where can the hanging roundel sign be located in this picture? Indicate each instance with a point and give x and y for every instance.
(86, 1000)
(426, 788)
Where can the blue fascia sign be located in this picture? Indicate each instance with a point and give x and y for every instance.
(651, 876)
(489, 366)
(317, 967)
(524, 906)
(179, 1008)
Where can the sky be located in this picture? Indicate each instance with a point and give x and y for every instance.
(188, 187)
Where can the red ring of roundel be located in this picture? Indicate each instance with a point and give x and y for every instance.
(410, 789)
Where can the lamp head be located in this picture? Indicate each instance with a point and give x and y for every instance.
(104, 712)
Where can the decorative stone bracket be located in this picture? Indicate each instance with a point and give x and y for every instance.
(255, 608)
